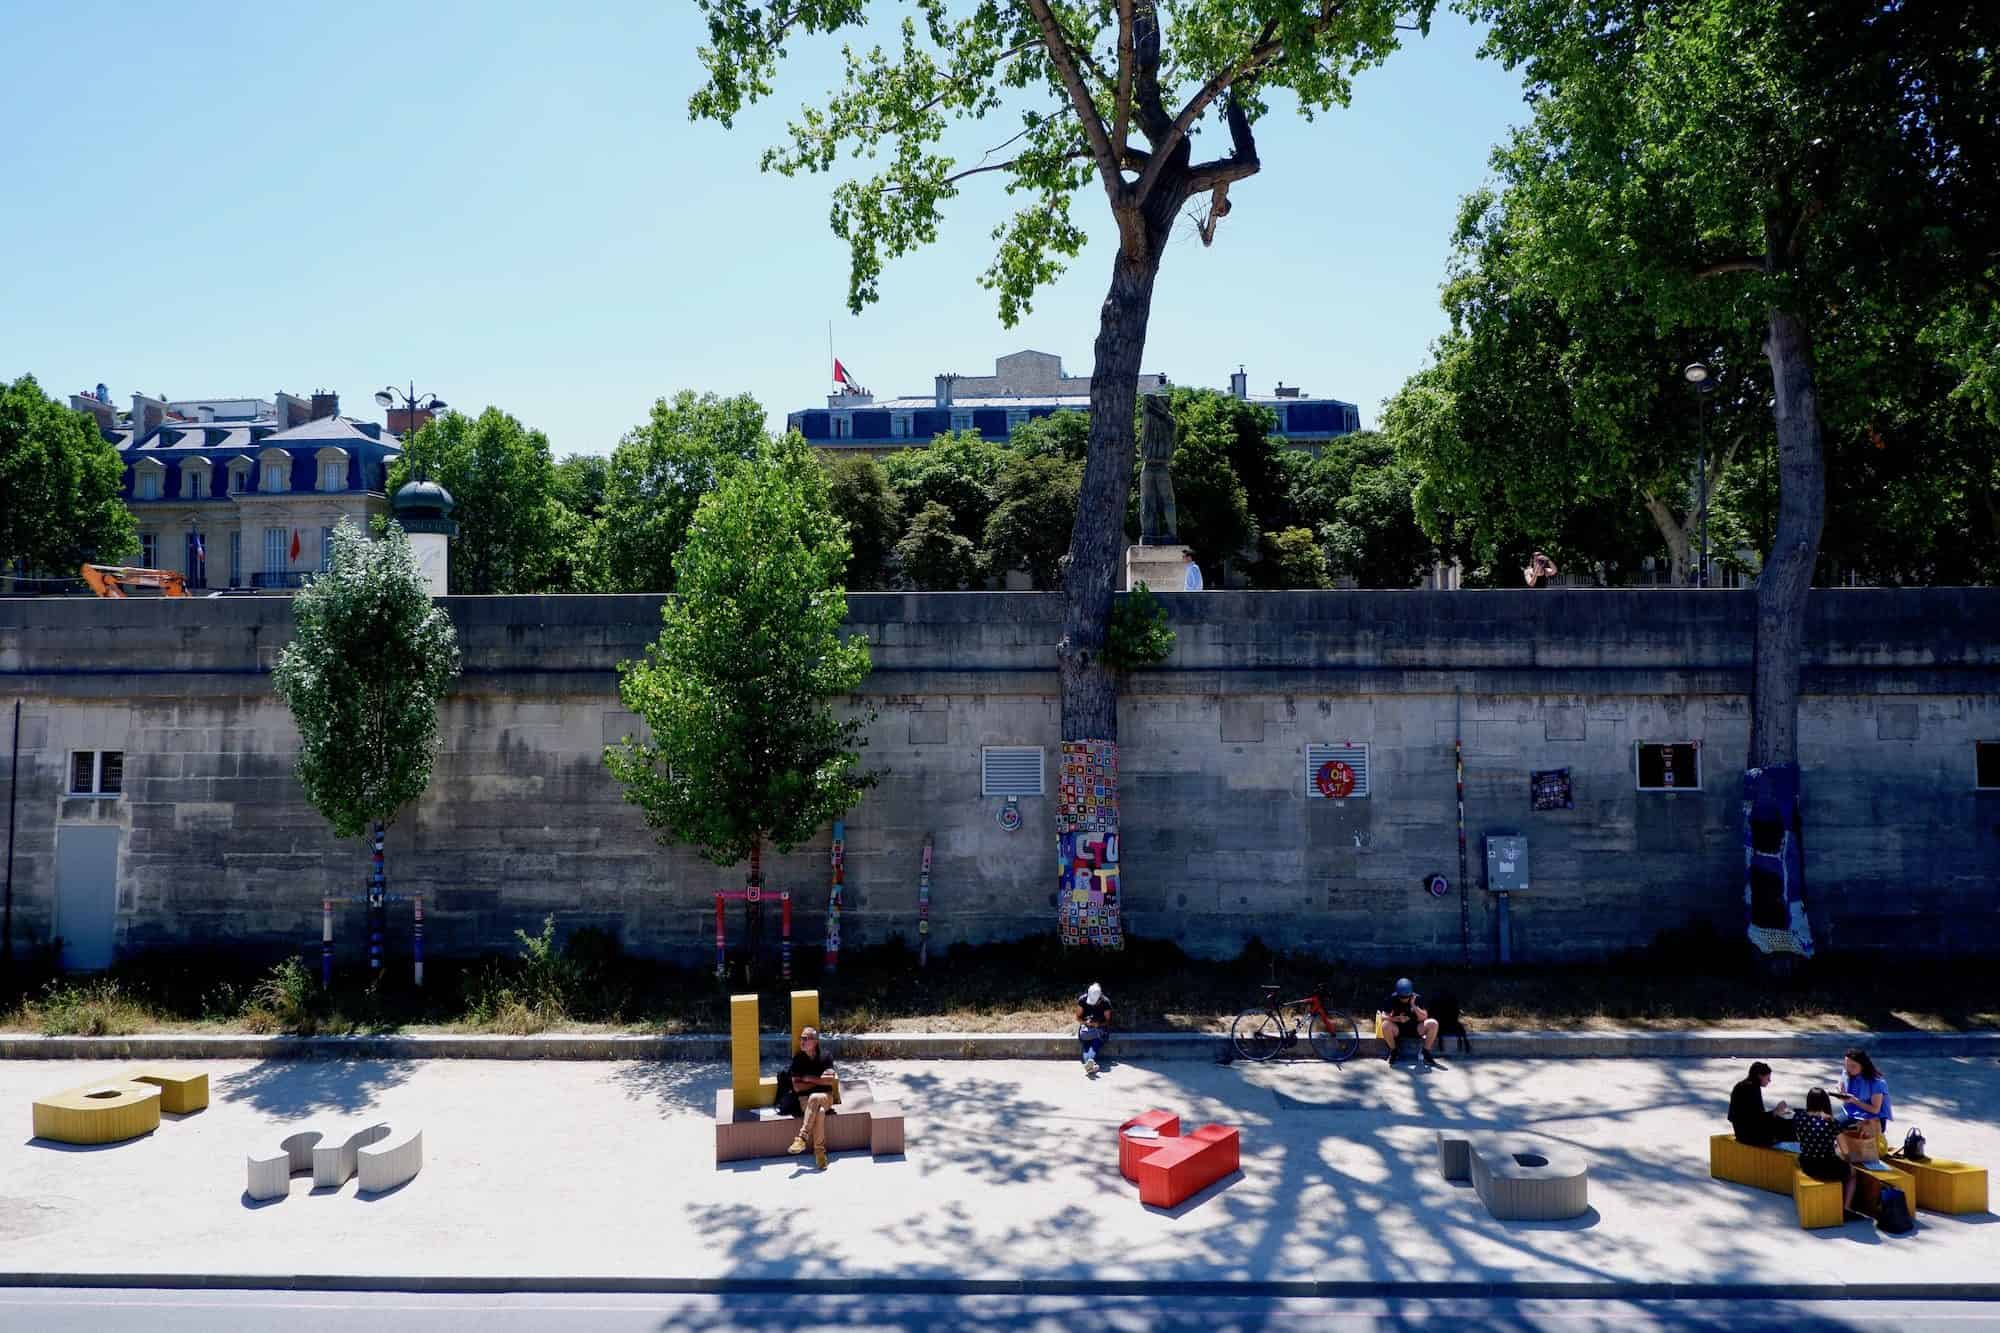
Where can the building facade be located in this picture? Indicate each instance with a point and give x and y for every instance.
(244, 492)
(1022, 387)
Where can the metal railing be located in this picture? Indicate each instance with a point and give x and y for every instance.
(295, 578)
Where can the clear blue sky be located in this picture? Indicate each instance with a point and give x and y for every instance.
(507, 202)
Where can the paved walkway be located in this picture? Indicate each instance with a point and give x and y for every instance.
(604, 1173)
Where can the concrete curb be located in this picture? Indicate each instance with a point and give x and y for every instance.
(1079, 1286)
(1705, 1044)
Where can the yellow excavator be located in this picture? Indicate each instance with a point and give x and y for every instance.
(113, 580)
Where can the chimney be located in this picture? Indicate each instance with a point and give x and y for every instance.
(325, 404)
(99, 406)
(944, 388)
(148, 415)
(403, 422)
(1239, 384)
(1284, 392)
(291, 411)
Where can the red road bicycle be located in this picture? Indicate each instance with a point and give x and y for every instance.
(1260, 1033)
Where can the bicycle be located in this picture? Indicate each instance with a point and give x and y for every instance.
(1261, 1032)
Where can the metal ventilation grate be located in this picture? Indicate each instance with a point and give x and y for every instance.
(1010, 770)
(1354, 756)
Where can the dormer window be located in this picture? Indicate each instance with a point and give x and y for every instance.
(239, 476)
(148, 480)
(332, 469)
(274, 471)
(194, 480)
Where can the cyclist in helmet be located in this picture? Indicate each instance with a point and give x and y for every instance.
(1403, 1013)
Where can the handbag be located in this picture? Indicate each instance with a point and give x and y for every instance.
(1859, 1145)
(1913, 1147)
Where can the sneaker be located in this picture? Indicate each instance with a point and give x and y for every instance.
(798, 1146)
(1430, 1061)
(819, 1158)
(1090, 1068)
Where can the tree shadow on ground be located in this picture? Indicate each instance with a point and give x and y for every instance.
(288, 1088)
(672, 1086)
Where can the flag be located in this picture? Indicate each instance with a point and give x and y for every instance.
(843, 379)
(295, 543)
(199, 553)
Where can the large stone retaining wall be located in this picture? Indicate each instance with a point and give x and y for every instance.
(1221, 842)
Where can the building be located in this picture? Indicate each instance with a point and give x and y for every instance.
(1024, 386)
(244, 492)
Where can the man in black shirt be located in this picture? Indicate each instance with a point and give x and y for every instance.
(1093, 1024)
(1754, 1126)
(810, 1077)
(1405, 1012)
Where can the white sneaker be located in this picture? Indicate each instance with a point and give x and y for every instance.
(1090, 1066)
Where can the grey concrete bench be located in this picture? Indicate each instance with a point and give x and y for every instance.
(856, 1122)
(1518, 1177)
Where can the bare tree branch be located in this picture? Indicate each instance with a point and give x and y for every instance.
(1152, 114)
(1063, 57)
(1260, 53)
(1121, 120)
(1242, 162)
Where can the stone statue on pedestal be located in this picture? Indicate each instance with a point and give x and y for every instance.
(1156, 484)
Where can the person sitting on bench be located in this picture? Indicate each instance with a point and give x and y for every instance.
(1405, 1011)
(1093, 1025)
(1819, 1157)
(1756, 1127)
(810, 1075)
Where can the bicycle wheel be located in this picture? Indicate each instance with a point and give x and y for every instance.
(1334, 1036)
(1257, 1034)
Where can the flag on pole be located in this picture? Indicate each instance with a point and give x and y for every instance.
(295, 543)
(843, 379)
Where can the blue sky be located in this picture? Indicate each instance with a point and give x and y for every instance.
(507, 203)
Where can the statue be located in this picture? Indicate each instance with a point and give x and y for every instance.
(1156, 482)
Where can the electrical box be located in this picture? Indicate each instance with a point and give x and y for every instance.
(1506, 862)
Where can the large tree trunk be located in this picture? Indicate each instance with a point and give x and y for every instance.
(1787, 575)
(1097, 542)
(1675, 534)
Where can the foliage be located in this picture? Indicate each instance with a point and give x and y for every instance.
(285, 999)
(1356, 496)
(859, 491)
(369, 660)
(538, 989)
(932, 556)
(957, 470)
(1245, 433)
(656, 478)
(737, 692)
(1061, 434)
(97, 1007)
(61, 480)
(503, 480)
(1138, 635)
(1291, 558)
(1035, 505)
(1212, 508)
(580, 480)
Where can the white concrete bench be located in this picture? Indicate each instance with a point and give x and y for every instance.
(1518, 1177)
(335, 1166)
(271, 1177)
(395, 1164)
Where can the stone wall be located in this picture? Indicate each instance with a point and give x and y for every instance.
(1220, 840)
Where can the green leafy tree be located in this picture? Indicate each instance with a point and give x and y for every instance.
(1246, 434)
(1292, 558)
(657, 477)
(503, 479)
(932, 555)
(580, 480)
(370, 659)
(957, 470)
(1724, 155)
(1029, 527)
(1211, 505)
(579, 496)
(60, 479)
(860, 493)
(1064, 434)
(1106, 93)
(738, 691)
(1355, 497)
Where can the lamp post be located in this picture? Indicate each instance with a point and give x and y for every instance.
(1701, 379)
(413, 403)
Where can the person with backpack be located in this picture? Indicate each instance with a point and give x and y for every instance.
(1819, 1152)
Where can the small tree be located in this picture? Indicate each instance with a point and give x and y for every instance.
(503, 479)
(1029, 527)
(370, 658)
(932, 556)
(59, 479)
(737, 691)
(860, 493)
(658, 474)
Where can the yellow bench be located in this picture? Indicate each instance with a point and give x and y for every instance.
(1817, 1201)
(118, 1108)
(180, 1092)
(1946, 1187)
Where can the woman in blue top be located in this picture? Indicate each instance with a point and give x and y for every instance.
(1866, 1095)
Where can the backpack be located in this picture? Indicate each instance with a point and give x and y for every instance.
(1893, 1212)
(1913, 1147)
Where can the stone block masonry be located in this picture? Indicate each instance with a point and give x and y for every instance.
(215, 844)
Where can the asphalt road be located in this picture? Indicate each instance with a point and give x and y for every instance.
(91, 1310)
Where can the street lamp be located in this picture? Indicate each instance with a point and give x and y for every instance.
(1701, 379)
(413, 402)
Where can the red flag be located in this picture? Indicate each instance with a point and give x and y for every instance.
(295, 543)
(842, 378)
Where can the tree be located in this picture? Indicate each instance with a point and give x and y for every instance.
(1211, 505)
(1292, 558)
(1246, 434)
(61, 479)
(957, 470)
(657, 476)
(1078, 81)
(579, 496)
(738, 691)
(1062, 434)
(1029, 527)
(503, 479)
(580, 480)
(933, 556)
(1356, 497)
(370, 658)
(1730, 155)
(859, 491)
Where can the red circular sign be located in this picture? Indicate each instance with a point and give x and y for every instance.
(1335, 780)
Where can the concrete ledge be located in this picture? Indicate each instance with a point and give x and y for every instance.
(1697, 1044)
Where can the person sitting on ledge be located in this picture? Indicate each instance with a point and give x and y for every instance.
(1093, 1025)
(1405, 1010)
(811, 1075)
(1756, 1127)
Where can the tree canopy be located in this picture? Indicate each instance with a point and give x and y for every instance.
(503, 480)
(738, 691)
(858, 489)
(657, 477)
(1035, 506)
(61, 481)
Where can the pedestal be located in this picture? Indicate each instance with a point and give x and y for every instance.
(1160, 568)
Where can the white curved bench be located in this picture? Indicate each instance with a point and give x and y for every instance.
(386, 1168)
(271, 1177)
(1518, 1177)
(335, 1166)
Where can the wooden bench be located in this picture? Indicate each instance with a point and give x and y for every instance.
(106, 1112)
(181, 1093)
(271, 1177)
(1817, 1201)
(1946, 1187)
(856, 1121)
(392, 1164)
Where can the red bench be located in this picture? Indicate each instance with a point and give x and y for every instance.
(1181, 1168)
(1163, 1123)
